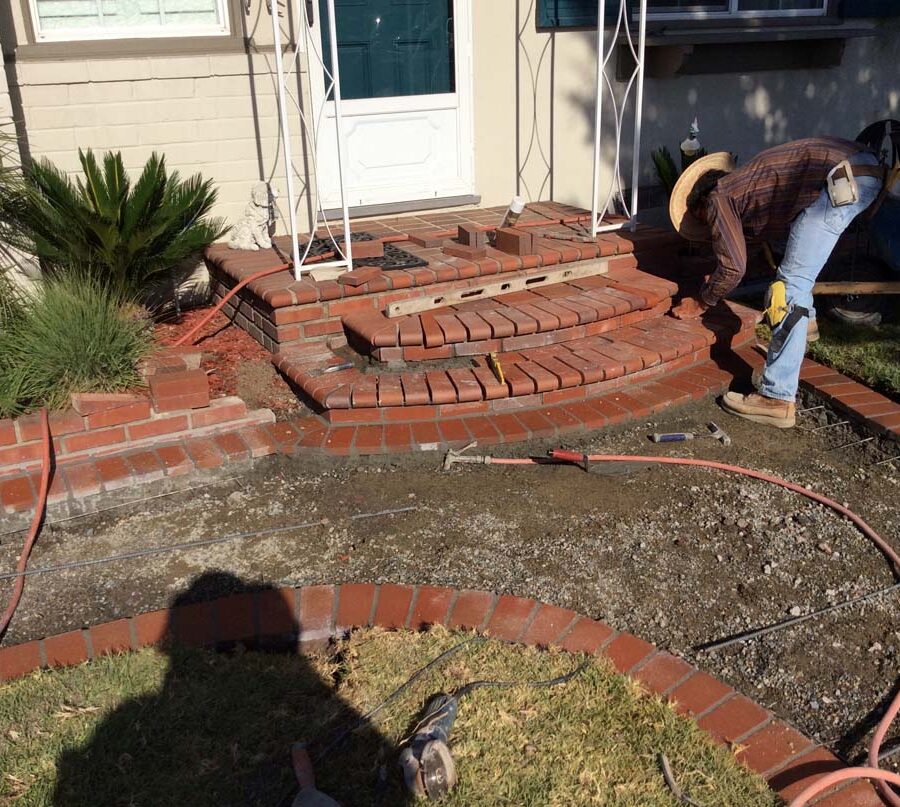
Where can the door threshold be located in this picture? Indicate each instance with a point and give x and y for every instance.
(416, 206)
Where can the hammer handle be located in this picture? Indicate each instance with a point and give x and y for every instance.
(672, 437)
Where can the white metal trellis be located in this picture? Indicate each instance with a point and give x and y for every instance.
(635, 84)
(312, 126)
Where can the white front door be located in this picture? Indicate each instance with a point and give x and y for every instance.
(406, 85)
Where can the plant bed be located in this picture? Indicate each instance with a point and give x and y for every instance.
(235, 363)
(203, 728)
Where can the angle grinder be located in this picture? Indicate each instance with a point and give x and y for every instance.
(427, 764)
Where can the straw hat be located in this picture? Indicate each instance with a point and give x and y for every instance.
(682, 220)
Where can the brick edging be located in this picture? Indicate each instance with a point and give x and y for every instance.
(310, 615)
(877, 412)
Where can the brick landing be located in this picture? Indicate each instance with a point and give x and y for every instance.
(306, 617)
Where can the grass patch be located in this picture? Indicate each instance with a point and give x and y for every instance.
(212, 729)
(866, 353)
(74, 335)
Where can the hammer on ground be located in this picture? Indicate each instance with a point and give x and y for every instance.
(716, 433)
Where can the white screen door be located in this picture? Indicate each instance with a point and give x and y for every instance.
(406, 85)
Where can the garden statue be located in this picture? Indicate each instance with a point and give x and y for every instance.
(252, 231)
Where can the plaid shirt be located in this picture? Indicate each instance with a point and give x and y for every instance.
(762, 199)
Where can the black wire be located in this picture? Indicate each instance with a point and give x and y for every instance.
(551, 682)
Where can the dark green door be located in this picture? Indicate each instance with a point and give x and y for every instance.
(392, 48)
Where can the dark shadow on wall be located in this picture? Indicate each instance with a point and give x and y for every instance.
(218, 730)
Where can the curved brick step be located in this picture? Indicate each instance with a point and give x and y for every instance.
(546, 315)
(533, 377)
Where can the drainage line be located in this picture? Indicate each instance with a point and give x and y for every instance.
(755, 633)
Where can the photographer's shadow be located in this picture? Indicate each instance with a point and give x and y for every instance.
(219, 727)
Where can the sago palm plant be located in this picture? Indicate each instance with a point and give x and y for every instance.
(128, 236)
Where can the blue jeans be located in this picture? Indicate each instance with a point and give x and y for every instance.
(814, 234)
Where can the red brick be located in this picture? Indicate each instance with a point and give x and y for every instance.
(17, 494)
(471, 609)
(548, 625)
(259, 442)
(432, 606)
(367, 249)
(175, 461)
(588, 636)
(65, 649)
(427, 240)
(7, 432)
(193, 624)
(393, 606)
(514, 241)
(369, 439)
(316, 611)
(285, 435)
(147, 465)
(662, 672)
(67, 422)
(355, 605)
(803, 772)
(19, 659)
(83, 479)
(361, 275)
(732, 719)
(771, 747)
(858, 794)
(471, 235)
(510, 617)
(158, 426)
(204, 452)
(220, 410)
(29, 427)
(21, 454)
(234, 617)
(625, 651)
(151, 628)
(111, 637)
(231, 445)
(425, 436)
(95, 439)
(185, 389)
(465, 252)
(129, 413)
(698, 693)
(113, 471)
(277, 608)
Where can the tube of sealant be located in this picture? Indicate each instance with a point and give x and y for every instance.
(515, 209)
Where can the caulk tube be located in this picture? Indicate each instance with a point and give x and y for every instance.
(515, 209)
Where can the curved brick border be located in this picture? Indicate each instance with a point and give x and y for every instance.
(311, 615)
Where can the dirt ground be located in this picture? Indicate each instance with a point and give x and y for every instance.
(677, 556)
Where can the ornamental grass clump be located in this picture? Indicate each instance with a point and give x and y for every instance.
(130, 236)
(71, 334)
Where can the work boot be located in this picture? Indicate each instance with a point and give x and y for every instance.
(758, 408)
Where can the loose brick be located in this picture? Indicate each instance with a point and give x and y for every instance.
(66, 649)
(367, 249)
(588, 636)
(548, 625)
(465, 252)
(359, 276)
(185, 389)
(19, 659)
(111, 637)
(427, 240)
(471, 235)
(393, 606)
(471, 609)
(732, 719)
(514, 241)
(510, 617)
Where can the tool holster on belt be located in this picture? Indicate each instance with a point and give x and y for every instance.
(841, 181)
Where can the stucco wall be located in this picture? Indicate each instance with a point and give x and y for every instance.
(5, 103)
(534, 107)
(548, 142)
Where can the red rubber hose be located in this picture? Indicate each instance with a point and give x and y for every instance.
(19, 586)
(872, 772)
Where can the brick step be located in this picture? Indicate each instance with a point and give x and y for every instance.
(533, 376)
(553, 421)
(546, 315)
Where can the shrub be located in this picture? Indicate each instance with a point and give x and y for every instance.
(74, 335)
(128, 236)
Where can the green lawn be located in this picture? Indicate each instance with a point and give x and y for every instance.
(197, 728)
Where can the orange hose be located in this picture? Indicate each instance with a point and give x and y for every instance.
(872, 772)
(33, 530)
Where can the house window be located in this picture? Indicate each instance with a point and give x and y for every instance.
(697, 9)
(57, 20)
